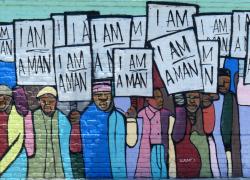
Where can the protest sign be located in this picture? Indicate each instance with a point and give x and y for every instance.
(247, 64)
(178, 61)
(107, 33)
(138, 31)
(73, 73)
(34, 52)
(215, 27)
(167, 17)
(77, 27)
(239, 34)
(59, 29)
(209, 53)
(133, 72)
(6, 42)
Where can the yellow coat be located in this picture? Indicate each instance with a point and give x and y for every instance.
(15, 139)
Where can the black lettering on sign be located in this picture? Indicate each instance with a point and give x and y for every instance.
(178, 60)
(133, 72)
(209, 51)
(239, 34)
(215, 27)
(77, 27)
(6, 42)
(73, 72)
(36, 38)
(39, 64)
(179, 20)
(75, 62)
(34, 52)
(112, 33)
(59, 29)
(167, 17)
(108, 32)
(138, 33)
(178, 49)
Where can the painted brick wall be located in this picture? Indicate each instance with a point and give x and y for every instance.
(73, 123)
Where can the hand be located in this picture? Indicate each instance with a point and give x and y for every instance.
(131, 113)
(74, 116)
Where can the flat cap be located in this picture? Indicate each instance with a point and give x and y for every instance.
(47, 90)
(5, 90)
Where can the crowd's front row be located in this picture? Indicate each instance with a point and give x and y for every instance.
(182, 135)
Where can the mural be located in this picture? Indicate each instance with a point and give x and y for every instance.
(160, 95)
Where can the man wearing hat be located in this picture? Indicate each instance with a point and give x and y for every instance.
(52, 133)
(103, 135)
(12, 152)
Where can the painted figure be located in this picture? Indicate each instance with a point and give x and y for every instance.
(51, 158)
(103, 135)
(229, 126)
(187, 155)
(13, 154)
(208, 112)
(153, 156)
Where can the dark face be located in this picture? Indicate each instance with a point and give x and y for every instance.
(103, 100)
(31, 92)
(5, 102)
(224, 84)
(208, 98)
(193, 101)
(157, 100)
(48, 104)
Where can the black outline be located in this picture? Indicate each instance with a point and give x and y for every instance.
(14, 32)
(132, 22)
(177, 4)
(91, 42)
(13, 50)
(247, 60)
(78, 13)
(113, 53)
(218, 67)
(51, 16)
(214, 14)
(91, 79)
(232, 26)
(196, 40)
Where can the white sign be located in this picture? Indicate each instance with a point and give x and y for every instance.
(138, 31)
(34, 52)
(6, 42)
(77, 27)
(133, 72)
(59, 29)
(108, 33)
(209, 52)
(247, 65)
(215, 27)
(165, 18)
(239, 34)
(73, 73)
(178, 61)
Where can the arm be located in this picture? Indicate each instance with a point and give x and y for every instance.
(15, 136)
(29, 135)
(132, 132)
(180, 124)
(64, 135)
(117, 144)
(171, 151)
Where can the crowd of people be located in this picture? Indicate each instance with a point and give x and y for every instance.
(189, 134)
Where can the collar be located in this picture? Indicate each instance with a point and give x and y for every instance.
(151, 111)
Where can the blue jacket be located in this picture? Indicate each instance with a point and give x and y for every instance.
(103, 139)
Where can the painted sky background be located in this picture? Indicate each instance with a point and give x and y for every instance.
(23, 9)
